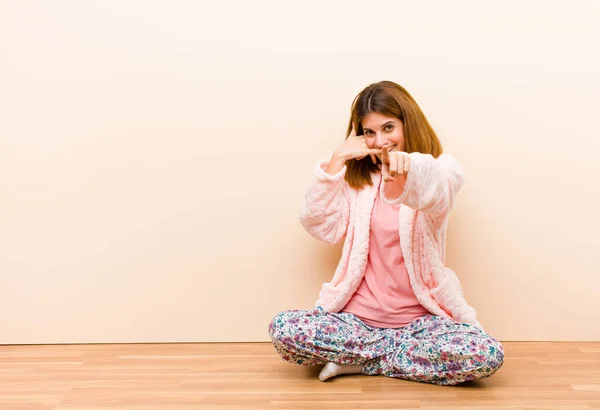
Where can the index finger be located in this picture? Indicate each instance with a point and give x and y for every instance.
(385, 158)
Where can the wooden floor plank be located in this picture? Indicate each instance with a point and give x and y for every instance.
(545, 375)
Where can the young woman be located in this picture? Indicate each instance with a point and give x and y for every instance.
(392, 308)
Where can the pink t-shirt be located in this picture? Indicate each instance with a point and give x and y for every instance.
(385, 297)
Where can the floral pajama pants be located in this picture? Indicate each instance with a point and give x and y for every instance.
(430, 349)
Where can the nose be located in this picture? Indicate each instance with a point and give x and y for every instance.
(380, 140)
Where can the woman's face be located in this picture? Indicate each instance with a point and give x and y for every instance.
(380, 130)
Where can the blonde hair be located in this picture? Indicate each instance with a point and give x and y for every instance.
(390, 99)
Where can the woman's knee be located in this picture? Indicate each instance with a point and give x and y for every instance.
(496, 355)
(284, 324)
(290, 339)
(493, 359)
(276, 325)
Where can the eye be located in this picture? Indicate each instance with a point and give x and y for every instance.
(368, 132)
(389, 127)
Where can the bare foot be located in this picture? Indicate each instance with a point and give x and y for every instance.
(333, 369)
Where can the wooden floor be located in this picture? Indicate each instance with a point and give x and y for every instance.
(251, 376)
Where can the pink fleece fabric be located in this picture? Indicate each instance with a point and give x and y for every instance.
(333, 211)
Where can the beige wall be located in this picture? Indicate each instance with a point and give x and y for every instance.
(154, 156)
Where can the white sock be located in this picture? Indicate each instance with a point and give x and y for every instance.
(333, 369)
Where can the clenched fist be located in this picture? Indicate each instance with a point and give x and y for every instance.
(394, 163)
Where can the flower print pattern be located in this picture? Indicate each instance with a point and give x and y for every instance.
(430, 349)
